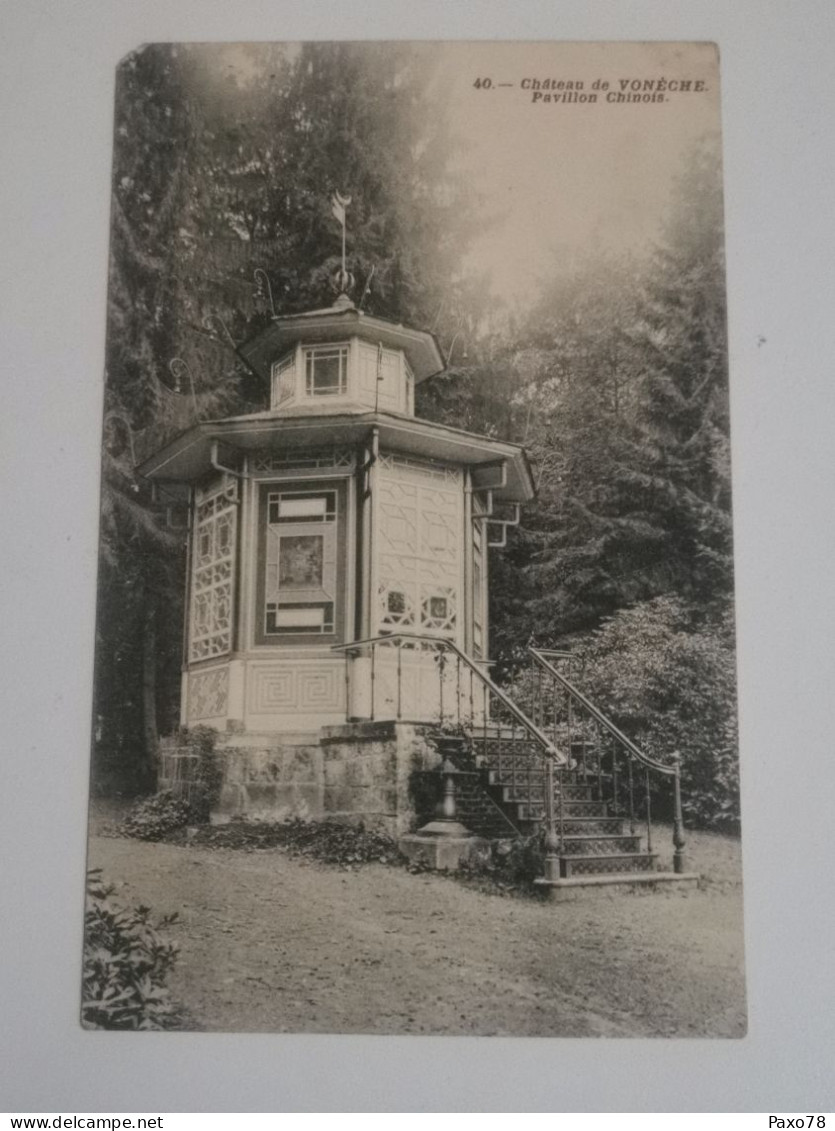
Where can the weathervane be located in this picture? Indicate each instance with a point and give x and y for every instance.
(343, 280)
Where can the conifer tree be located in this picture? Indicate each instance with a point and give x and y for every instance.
(224, 163)
(623, 380)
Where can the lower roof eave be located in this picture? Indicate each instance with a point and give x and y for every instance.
(188, 458)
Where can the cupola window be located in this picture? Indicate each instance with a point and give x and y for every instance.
(326, 371)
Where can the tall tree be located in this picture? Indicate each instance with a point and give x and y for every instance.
(622, 374)
(225, 161)
(680, 471)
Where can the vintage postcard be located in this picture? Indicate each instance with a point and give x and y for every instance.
(415, 699)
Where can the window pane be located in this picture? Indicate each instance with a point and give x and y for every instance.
(300, 617)
(308, 508)
(325, 371)
(294, 508)
(290, 619)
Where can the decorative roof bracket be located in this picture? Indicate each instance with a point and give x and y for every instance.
(503, 523)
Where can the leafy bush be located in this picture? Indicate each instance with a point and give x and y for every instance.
(126, 965)
(206, 775)
(519, 862)
(326, 841)
(157, 817)
(510, 869)
(670, 684)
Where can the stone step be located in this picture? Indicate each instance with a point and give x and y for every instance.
(577, 887)
(607, 863)
(603, 844)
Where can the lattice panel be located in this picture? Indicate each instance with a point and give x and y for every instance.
(208, 694)
(597, 865)
(213, 573)
(601, 846)
(573, 826)
(419, 469)
(420, 546)
(329, 459)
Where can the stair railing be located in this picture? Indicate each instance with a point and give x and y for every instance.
(580, 726)
(388, 677)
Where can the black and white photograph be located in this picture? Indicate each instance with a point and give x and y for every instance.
(521, 300)
(415, 679)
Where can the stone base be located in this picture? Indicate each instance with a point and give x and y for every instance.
(576, 887)
(444, 853)
(351, 774)
(443, 827)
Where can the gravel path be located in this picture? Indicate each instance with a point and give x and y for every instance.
(278, 944)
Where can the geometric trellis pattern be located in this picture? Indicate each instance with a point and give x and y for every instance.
(213, 573)
(420, 535)
(331, 457)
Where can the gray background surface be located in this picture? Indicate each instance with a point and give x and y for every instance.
(56, 91)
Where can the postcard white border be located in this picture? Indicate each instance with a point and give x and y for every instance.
(56, 87)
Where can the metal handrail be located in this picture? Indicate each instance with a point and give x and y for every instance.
(541, 658)
(541, 655)
(542, 740)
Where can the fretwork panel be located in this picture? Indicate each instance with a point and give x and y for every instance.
(420, 541)
(213, 574)
(208, 694)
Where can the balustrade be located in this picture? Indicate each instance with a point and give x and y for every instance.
(541, 738)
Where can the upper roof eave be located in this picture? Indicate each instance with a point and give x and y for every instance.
(420, 346)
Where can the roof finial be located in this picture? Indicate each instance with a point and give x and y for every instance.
(343, 279)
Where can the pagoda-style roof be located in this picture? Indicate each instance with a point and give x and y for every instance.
(497, 464)
(338, 323)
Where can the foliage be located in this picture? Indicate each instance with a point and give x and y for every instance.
(331, 843)
(615, 380)
(622, 399)
(224, 161)
(516, 863)
(126, 965)
(207, 773)
(669, 684)
(154, 818)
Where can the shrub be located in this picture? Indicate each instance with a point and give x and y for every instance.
(158, 816)
(670, 685)
(519, 862)
(126, 965)
(206, 775)
(327, 841)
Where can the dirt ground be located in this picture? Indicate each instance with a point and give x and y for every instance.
(274, 943)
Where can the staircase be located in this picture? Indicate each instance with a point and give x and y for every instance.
(500, 793)
(594, 842)
(535, 757)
